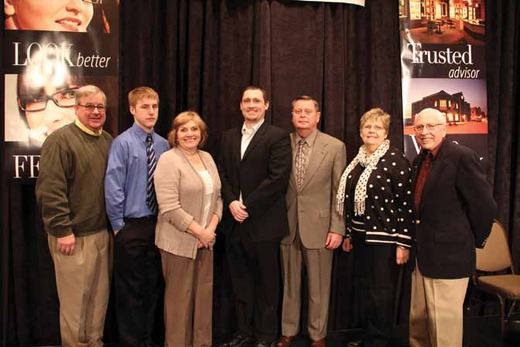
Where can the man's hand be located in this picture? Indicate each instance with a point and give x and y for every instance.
(238, 210)
(66, 244)
(333, 240)
(401, 254)
(347, 244)
(116, 231)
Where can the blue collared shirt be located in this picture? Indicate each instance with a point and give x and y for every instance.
(125, 180)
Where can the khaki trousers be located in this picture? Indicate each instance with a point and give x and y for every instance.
(318, 264)
(188, 299)
(436, 311)
(83, 283)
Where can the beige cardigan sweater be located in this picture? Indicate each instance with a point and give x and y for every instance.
(180, 194)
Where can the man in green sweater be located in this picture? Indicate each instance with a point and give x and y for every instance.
(70, 194)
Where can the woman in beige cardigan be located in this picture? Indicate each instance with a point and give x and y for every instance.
(188, 192)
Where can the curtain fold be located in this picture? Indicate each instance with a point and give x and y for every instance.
(503, 42)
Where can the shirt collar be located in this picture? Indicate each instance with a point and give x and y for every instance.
(253, 129)
(434, 151)
(140, 132)
(87, 130)
(309, 139)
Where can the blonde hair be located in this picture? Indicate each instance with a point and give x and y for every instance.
(183, 118)
(375, 114)
(139, 93)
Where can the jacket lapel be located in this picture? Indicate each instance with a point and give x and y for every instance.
(236, 143)
(292, 178)
(254, 141)
(438, 165)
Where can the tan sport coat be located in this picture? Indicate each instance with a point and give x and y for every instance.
(313, 208)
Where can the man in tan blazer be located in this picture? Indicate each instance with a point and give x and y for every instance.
(315, 227)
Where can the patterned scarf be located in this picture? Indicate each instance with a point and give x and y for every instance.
(369, 162)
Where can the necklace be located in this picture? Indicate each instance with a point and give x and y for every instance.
(189, 154)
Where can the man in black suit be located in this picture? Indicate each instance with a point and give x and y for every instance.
(454, 211)
(255, 163)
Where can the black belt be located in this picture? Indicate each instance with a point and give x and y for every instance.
(145, 218)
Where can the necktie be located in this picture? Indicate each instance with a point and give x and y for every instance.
(151, 199)
(300, 163)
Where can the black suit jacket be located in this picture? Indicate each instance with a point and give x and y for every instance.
(262, 176)
(455, 213)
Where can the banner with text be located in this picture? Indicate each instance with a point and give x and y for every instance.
(354, 2)
(443, 67)
(48, 53)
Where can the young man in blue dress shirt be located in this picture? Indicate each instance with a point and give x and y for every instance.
(132, 213)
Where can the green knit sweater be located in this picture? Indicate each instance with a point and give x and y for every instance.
(70, 185)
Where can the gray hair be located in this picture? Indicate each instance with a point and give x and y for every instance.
(434, 112)
(89, 90)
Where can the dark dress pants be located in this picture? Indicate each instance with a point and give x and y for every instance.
(256, 279)
(138, 281)
(375, 278)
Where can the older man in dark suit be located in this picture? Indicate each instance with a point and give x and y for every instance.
(454, 210)
(254, 169)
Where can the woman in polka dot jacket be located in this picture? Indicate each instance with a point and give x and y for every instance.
(375, 198)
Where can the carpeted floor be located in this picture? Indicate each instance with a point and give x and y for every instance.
(478, 332)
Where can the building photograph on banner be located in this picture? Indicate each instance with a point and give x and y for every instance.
(50, 49)
(444, 21)
(463, 102)
(443, 67)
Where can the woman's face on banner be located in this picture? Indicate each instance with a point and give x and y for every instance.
(49, 109)
(49, 15)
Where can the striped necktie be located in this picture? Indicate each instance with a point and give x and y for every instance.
(151, 199)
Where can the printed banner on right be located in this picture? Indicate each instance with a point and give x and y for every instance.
(443, 67)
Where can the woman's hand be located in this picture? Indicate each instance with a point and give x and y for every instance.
(347, 245)
(206, 237)
(401, 254)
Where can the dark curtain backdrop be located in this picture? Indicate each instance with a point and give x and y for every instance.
(199, 54)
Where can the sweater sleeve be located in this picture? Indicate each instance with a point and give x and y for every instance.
(402, 186)
(167, 181)
(51, 188)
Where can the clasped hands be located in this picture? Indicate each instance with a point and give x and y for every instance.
(206, 238)
(238, 210)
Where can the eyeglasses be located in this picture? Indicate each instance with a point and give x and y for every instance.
(428, 127)
(305, 112)
(34, 103)
(93, 2)
(91, 107)
(374, 127)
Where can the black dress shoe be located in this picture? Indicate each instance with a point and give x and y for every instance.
(263, 343)
(355, 344)
(238, 340)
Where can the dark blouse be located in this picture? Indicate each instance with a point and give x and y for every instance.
(388, 216)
